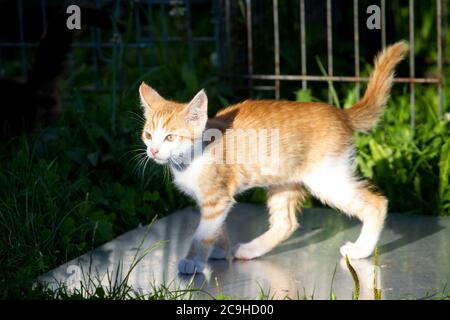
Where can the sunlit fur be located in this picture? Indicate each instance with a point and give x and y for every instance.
(315, 154)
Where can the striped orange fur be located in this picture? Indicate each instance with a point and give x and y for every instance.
(314, 151)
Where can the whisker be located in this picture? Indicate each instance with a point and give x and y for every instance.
(145, 166)
(138, 156)
(137, 116)
(143, 151)
(139, 164)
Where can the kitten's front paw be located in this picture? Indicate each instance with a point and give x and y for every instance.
(188, 266)
(218, 254)
(354, 251)
(244, 252)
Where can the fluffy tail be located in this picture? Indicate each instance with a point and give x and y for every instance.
(366, 112)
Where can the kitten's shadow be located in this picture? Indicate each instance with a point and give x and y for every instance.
(410, 228)
(316, 225)
(317, 228)
(319, 225)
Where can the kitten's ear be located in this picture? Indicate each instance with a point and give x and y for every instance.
(197, 110)
(148, 97)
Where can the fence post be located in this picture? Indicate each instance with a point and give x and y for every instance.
(249, 46)
(303, 42)
(412, 66)
(330, 50)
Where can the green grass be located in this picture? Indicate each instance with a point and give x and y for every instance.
(411, 166)
(117, 287)
(82, 180)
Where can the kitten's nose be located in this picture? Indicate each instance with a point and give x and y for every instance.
(154, 151)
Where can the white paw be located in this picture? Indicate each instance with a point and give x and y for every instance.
(354, 251)
(245, 251)
(188, 266)
(218, 254)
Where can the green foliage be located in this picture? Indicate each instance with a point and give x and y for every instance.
(303, 96)
(68, 190)
(411, 166)
(355, 294)
(83, 180)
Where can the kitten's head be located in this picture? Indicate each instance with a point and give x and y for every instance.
(171, 128)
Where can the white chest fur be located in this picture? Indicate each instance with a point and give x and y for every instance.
(187, 180)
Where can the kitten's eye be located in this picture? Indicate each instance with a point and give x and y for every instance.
(147, 135)
(170, 137)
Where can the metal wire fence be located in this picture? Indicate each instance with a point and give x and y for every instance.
(276, 77)
(148, 34)
(221, 40)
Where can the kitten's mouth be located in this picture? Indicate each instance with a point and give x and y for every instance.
(160, 161)
(156, 159)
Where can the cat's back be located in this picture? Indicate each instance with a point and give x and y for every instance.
(303, 116)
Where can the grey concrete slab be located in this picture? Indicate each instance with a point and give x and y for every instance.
(414, 257)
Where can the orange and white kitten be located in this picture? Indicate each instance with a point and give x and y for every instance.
(311, 142)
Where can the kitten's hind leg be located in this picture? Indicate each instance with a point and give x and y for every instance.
(282, 203)
(372, 212)
(213, 214)
(221, 248)
(333, 182)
